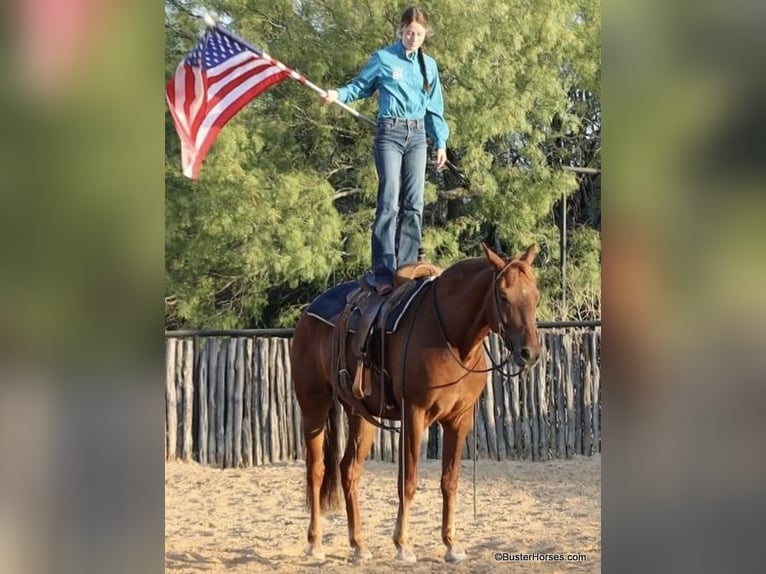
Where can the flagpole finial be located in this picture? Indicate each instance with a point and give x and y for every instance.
(211, 18)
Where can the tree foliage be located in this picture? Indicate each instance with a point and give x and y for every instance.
(286, 196)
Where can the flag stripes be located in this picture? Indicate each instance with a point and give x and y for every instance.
(212, 84)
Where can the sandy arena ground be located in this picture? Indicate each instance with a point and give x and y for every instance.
(253, 520)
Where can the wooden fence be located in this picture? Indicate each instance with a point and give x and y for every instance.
(230, 403)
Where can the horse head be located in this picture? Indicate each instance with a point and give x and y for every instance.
(512, 311)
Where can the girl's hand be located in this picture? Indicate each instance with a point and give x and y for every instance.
(441, 159)
(332, 96)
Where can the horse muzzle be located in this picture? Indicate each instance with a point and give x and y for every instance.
(524, 356)
(528, 356)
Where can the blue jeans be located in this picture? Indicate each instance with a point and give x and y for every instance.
(400, 159)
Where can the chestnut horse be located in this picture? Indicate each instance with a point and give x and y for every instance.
(436, 362)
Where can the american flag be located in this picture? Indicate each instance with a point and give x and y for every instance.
(216, 80)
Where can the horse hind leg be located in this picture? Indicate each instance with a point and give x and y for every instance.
(361, 435)
(313, 435)
(320, 416)
(320, 430)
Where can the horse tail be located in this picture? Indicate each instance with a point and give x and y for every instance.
(330, 492)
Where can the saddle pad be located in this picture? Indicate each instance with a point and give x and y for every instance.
(327, 306)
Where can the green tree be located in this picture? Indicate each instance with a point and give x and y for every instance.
(286, 196)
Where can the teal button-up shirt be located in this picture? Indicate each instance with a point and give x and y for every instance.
(399, 82)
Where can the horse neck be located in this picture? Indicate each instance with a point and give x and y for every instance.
(462, 296)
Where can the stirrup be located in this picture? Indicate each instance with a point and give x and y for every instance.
(358, 389)
(362, 381)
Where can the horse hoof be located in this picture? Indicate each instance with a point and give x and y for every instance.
(315, 552)
(455, 555)
(406, 555)
(362, 554)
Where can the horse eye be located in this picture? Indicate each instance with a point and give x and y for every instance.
(503, 297)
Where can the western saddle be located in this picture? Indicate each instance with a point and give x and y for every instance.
(363, 316)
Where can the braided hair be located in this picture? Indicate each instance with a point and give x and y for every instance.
(422, 61)
(415, 14)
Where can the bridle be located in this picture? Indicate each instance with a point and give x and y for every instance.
(502, 327)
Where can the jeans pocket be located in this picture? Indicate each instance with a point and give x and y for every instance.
(385, 128)
(390, 135)
(419, 137)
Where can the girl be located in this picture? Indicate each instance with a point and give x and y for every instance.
(410, 107)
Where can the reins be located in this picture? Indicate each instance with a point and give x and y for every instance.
(402, 457)
(495, 366)
(501, 327)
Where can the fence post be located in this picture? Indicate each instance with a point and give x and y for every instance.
(202, 358)
(171, 421)
(187, 382)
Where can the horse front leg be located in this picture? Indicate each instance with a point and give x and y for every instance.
(409, 453)
(455, 433)
(360, 438)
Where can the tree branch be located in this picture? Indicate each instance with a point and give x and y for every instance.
(580, 169)
(346, 193)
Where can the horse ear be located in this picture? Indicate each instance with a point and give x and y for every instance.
(493, 257)
(529, 255)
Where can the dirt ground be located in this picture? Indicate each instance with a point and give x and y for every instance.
(253, 520)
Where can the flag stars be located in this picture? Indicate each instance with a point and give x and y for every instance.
(201, 108)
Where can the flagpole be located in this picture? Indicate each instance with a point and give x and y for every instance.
(211, 21)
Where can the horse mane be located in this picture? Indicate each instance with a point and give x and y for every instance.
(467, 267)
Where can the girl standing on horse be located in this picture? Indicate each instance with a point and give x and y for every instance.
(410, 107)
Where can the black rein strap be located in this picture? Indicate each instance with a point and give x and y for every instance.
(495, 365)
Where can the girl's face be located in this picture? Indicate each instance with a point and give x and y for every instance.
(413, 35)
